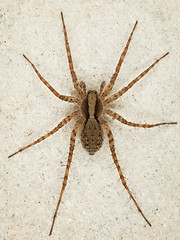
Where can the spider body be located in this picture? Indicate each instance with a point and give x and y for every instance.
(92, 133)
(92, 107)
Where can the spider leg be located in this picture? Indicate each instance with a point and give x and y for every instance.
(101, 88)
(71, 149)
(64, 98)
(73, 74)
(112, 148)
(124, 121)
(114, 76)
(60, 125)
(83, 86)
(125, 89)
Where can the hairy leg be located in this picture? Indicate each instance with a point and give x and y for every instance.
(83, 86)
(125, 89)
(124, 121)
(71, 149)
(62, 97)
(112, 148)
(73, 74)
(113, 78)
(60, 125)
(101, 88)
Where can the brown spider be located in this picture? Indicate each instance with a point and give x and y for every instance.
(91, 108)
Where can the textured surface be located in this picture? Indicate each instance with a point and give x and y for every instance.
(95, 205)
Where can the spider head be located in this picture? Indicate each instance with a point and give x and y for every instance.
(91, 104)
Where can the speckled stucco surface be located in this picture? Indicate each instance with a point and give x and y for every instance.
(95, 205)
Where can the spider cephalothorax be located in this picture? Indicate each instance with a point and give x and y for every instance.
(90, 115)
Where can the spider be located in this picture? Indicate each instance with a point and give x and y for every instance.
(91, 108)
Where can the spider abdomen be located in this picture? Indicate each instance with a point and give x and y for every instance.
(92, 136)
